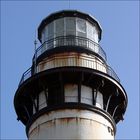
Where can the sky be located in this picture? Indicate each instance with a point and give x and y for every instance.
(120, 41)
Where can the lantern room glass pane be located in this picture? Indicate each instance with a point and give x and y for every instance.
(70, 25)
(90, 31)
(81, 25)
(51, 30)
(59, 27)
(43, 36)
(95, 34)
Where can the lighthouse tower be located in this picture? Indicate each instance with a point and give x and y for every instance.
(70, 92)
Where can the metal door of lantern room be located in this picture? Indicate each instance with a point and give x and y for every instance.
(70, 92)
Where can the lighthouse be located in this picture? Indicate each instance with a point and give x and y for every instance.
(70, 91)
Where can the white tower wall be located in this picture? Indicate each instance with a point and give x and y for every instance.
(71, 124)
(72, 59)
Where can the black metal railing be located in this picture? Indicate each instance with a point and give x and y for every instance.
(98, 66)
(27, 74)
(70, 41)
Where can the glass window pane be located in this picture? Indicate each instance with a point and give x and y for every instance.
(71, 93)
(86, 95)
(95, 34)
(43, 36)
(70, 26)
(89, 31)
(46, 33)
(81, 34)
(59, 27)
(51, 30)
(81, 25)
(42, 100)
(99, 100)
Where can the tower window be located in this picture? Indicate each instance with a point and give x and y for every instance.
(99, 99)
(86, 95)
(71, 93)
(42, 100)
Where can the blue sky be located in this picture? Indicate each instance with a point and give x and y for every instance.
(120, 40)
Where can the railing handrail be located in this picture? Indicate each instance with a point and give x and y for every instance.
(24, 75)
(78, 38)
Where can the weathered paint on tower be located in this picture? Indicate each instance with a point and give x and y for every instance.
(70, 92)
